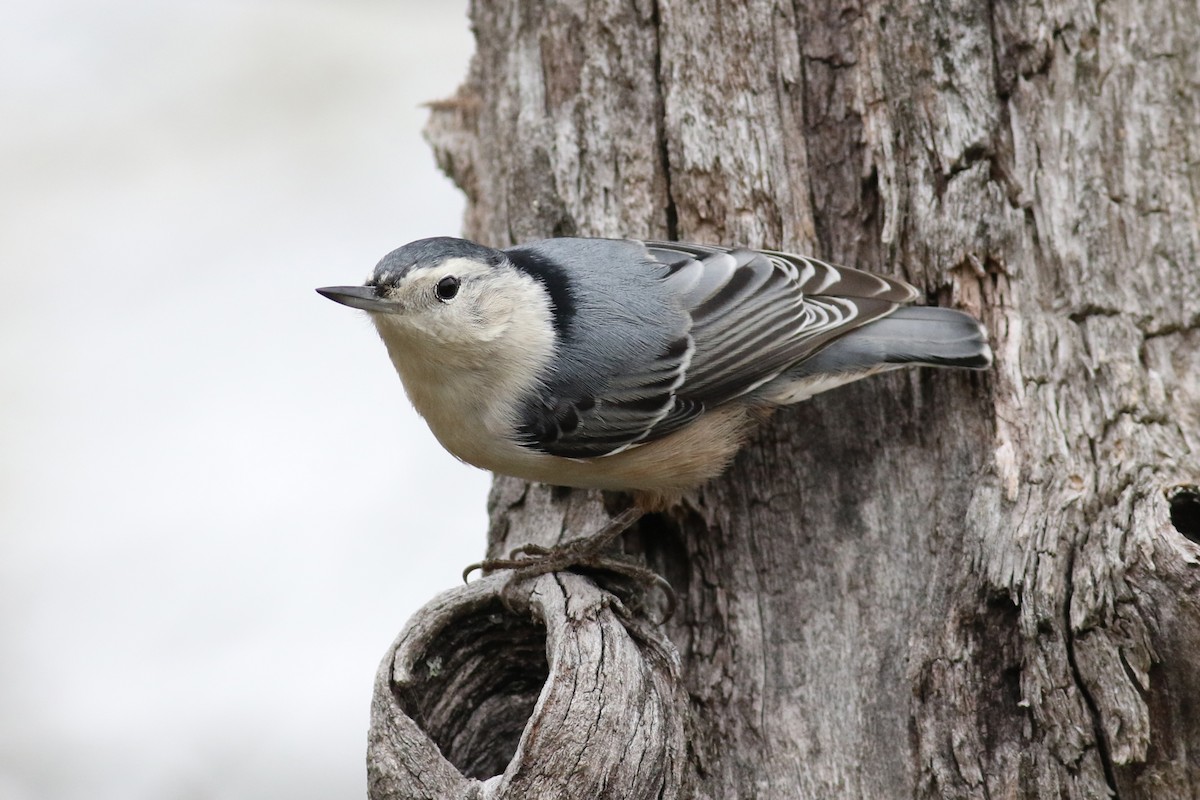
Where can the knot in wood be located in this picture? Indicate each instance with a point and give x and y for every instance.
(554, 695)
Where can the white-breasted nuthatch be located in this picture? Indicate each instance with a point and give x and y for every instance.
(629, 365)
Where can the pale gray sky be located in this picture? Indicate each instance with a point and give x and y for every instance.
(216, 506)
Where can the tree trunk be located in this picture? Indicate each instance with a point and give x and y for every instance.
(928, 584)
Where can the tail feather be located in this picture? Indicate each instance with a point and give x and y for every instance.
(928, 335)
(911, 335)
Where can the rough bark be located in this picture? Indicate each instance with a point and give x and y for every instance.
(928, 584)
(460, 710)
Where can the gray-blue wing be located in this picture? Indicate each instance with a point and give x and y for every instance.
(749, 315)
(755, 313)
(629, 408)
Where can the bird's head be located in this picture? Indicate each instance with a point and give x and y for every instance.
(463, 299)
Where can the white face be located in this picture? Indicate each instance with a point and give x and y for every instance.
(468, 311)
(457, 301)
(468, 357)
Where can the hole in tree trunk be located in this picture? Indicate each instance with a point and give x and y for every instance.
(1185, 510)
(477, 687)
(661, 537)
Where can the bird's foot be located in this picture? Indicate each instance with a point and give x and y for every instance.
(585, 554)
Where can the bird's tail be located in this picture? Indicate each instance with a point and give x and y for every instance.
(928, 335)
(910, 335)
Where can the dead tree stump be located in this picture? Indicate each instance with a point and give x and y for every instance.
(924, 585)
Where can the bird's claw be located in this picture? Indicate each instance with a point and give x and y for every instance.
(584, 554)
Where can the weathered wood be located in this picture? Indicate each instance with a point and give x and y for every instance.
(927, 584)
(460, 712)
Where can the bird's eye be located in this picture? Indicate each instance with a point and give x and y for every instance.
(447, 288)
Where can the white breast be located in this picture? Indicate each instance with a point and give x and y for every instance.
(470, 389)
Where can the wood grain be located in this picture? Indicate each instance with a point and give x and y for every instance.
(928, 584)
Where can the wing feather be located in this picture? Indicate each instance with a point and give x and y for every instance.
(753, 314)
(772, 311)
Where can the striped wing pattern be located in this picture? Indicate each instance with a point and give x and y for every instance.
(754, 314)
(632, 408)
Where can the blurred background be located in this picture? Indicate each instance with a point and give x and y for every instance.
(217, 509)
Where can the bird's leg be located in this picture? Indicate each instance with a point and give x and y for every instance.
(585, 553)
(533, 559)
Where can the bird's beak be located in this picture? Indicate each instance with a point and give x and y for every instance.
(363, 297)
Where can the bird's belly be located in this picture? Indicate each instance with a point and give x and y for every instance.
(668, 466)
(478, 428)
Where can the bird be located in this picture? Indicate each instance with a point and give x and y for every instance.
(629, 365)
